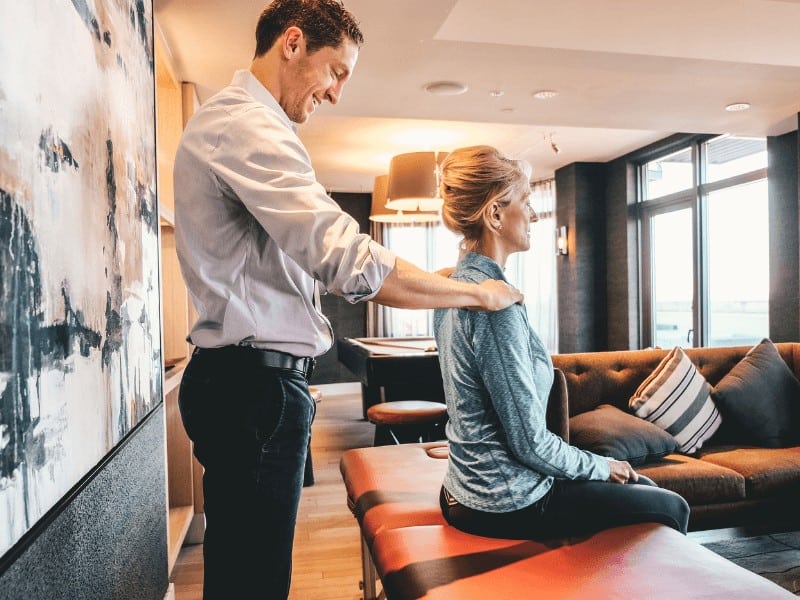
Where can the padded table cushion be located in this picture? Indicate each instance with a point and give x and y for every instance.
(638, 561)
(394, 486)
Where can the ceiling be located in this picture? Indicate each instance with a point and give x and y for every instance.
(628, 72)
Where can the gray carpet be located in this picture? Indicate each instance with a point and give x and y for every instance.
(775, 556)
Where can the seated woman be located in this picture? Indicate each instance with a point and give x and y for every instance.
(507, 475)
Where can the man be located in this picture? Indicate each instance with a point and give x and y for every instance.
(256, 234)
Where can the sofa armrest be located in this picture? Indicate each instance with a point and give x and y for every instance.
(557, 406)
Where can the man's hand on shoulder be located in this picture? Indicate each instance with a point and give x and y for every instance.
(498, 295)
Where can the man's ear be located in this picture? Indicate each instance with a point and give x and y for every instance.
(293, 40)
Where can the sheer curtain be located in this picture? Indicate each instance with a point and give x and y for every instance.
(431, 246)
(534, 271)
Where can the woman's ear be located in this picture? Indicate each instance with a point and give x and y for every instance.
(492, 220)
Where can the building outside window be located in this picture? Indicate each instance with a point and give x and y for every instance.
(705, 244)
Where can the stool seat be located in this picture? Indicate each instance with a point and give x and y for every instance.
(406, 412)
(402, 421)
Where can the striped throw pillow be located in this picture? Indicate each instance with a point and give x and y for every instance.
(677, 398)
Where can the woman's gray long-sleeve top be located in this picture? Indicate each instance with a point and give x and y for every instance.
(497, 377)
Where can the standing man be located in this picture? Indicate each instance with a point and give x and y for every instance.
(256, 235)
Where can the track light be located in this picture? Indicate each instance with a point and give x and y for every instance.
(553, 146)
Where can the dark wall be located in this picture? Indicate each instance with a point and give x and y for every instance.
(784, 268)
(622, 251)
(582, 273)
(347, 320)
(107, 538)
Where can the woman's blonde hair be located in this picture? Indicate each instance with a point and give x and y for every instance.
(471, 179)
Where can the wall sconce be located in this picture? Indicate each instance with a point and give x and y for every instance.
(414, 181)
(381, 214)
(562, 241)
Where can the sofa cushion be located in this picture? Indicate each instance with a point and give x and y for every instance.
(608, 431)
(759, 400)
(677, 398)
(767, 472)
(698, 481)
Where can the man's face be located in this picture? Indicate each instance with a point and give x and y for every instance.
(310, 79)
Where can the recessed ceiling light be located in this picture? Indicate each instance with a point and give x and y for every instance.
(545, 94)
(737, 106)
(496, 93)
(446, 88)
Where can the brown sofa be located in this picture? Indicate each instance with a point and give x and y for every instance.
(725, 483)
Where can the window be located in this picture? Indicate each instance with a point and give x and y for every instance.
(428, 246)
(705, 243)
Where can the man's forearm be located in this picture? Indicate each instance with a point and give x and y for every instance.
(410, 287)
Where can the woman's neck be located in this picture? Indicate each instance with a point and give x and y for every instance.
(489, 246)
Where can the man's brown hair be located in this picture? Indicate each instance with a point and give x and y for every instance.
(323, 22)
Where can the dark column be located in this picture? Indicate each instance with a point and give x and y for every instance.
(580, 191)
(784, 259)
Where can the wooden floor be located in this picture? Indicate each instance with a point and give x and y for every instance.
(327, 563)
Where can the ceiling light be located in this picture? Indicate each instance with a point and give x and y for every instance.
(496, 93)
(545, 94)
(737, 106)
(446, 88)
(413, 183)
(380, 213)
(553, 146)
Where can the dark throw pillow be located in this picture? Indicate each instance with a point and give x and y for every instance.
(759, 399)
(608, 431)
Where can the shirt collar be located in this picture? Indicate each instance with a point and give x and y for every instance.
(481, 263)
(248, 82)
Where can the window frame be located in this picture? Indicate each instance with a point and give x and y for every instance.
(696, 200)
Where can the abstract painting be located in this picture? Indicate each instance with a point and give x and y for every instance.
(80, 341)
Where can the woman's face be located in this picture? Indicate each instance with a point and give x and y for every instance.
(516, 218)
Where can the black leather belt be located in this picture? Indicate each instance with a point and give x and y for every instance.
(267, 358)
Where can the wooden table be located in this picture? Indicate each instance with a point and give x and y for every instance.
(393, 368)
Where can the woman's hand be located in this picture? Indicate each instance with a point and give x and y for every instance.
(621, 472)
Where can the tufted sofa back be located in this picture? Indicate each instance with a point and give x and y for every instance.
(595, 378)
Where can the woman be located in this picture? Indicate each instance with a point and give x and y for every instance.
(508, 476)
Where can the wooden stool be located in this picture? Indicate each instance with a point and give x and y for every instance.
(308, 474)
(404, 421)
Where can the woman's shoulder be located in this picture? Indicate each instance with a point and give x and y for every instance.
(475, 268)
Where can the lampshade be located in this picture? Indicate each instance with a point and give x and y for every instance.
(414, 181)
(380, 213)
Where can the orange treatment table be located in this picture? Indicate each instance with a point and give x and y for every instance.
(393, 491)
